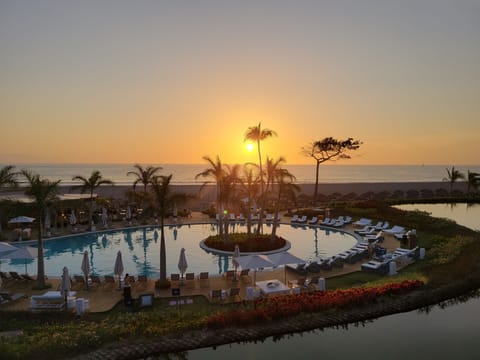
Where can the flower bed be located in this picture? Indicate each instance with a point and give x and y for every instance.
(273, 308)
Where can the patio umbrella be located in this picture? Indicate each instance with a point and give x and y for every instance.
(21, 220)
(253, 262)
(24, 252)
(284, 258)
(182, 262)
(236, 254)
(65, 285)
(85, 266)
(118, 269)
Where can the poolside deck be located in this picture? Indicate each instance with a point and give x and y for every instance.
(103, 297)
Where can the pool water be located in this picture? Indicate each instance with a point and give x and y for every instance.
(140, 249)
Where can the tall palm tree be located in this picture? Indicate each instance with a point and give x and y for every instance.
(216, 172)
(165, 202)
(272, 166)
(452, 176)
(43, 192)
(257, 134)
(144, 176)
(89, 185)
(249, 190)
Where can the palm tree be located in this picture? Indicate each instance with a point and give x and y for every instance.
(286, 187)
(89, 185)
(43, 192)
(249, 190)
(271, 171)
(217, 173)
(165, 202)
(473, 180)
(145, 176)
(257, 134)
(8, 176)
(452, 176)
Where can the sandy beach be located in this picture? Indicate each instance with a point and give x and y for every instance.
(206, 195)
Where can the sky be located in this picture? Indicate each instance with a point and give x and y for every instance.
(173, 81)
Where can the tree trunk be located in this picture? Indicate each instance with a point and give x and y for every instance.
(163, 254)
(40, 261)
(315, 194)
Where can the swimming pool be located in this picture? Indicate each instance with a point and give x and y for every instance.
(140, 249)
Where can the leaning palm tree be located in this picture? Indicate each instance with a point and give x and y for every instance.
(43, 192)
(165, 202)
(89, 185)
(144, 176)
(8, 178)
(452, 176)
(257, 134)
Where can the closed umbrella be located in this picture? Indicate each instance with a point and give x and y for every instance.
(24, 252)
(85, 267)
(236, 254)
(118, 269)
(73, 218)
(47, 223)
(104, 217)
(65, 285)
(182, 262)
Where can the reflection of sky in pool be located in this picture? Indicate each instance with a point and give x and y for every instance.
(141, 249)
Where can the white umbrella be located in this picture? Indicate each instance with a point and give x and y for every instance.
(182, 262)
(253, 262)
(284, 258)
(118, 269)
(24, 252)
(85, 266)
(65, 285)
(236, 254)
(73, 218)
(21, 220)
(129, 213)
(104, 217)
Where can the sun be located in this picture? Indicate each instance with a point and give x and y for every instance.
(249, 147)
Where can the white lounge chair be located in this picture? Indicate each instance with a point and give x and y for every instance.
(395, 229)
(313, 220)
(325, 221)
(269, 217)
(363, 222)
(302, 220)
(294, 218)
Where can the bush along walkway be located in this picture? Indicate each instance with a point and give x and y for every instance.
(396, 298)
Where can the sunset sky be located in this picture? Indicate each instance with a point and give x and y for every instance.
(172, 81)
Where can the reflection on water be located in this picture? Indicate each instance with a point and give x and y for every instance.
(141, 252)
(449, 333)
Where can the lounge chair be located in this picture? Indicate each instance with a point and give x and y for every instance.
(241, 217)
(325, 221)
(302, 220)
(376, 266)
(299, 284)
(7, 297)
(27, 277)
(95, 280)
(294, 218)
(216, 295)
(363, 222)
(233, 293)
(232, 217)
(395, 229)
(269, 218)
(15, 275)
(313, 220)
(5, 276)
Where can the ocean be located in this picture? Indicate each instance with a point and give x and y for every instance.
(184, 174)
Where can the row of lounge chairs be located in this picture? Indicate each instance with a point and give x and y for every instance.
(6, 297)
(13, 275)
(253, 217)
(381, 264)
